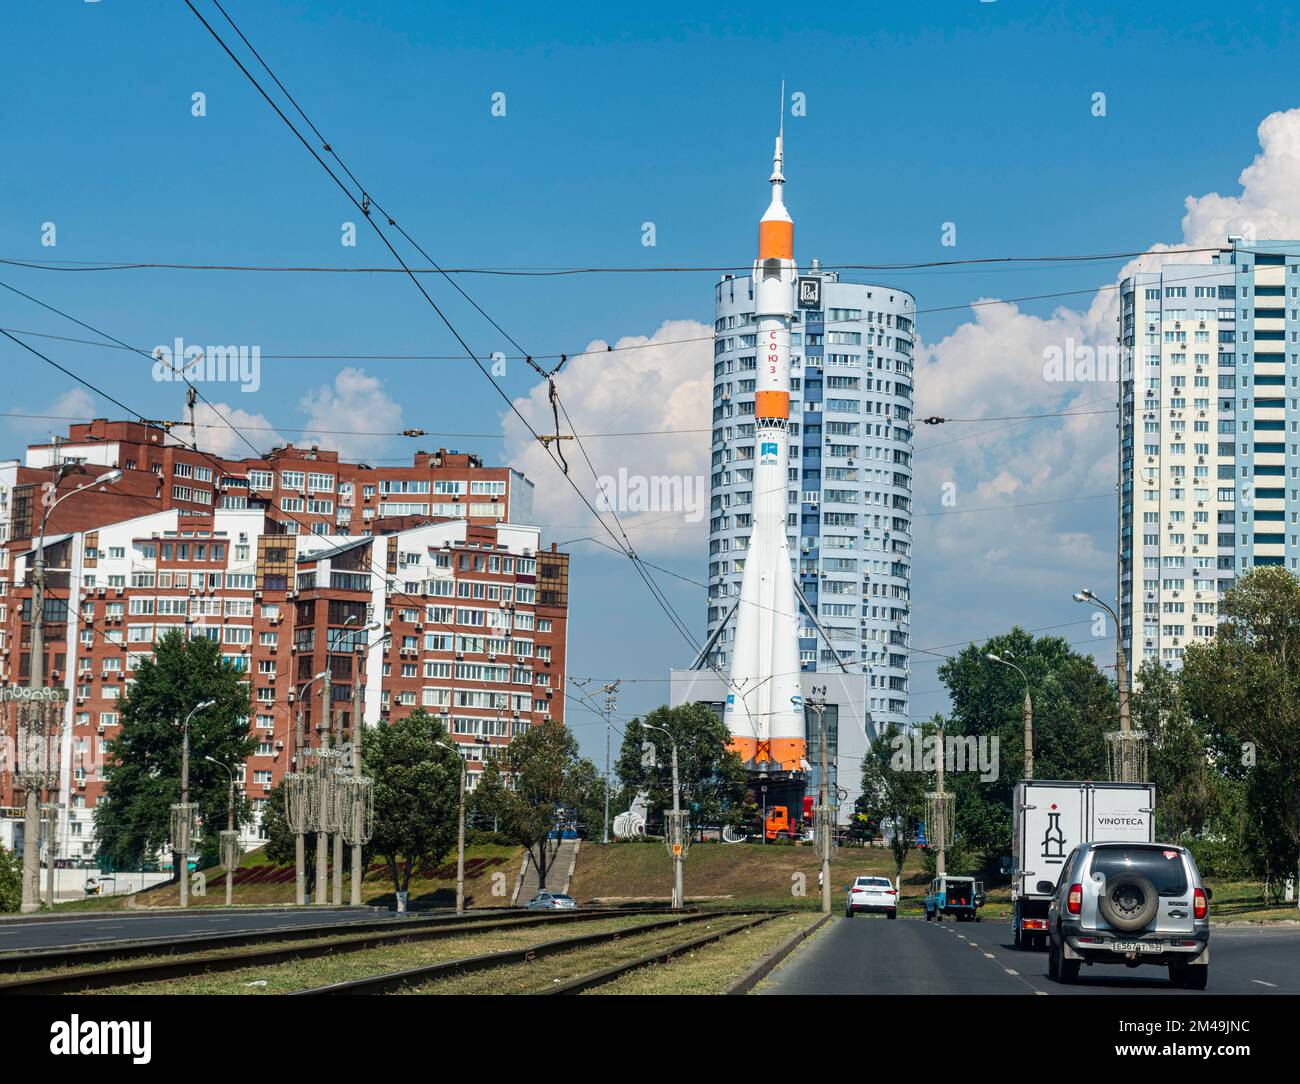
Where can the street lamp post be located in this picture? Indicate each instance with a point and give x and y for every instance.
(1029, 709)
(184, 815)
(677, 841)
(300, 788)
(31, 822)
(229, 846)
(357, 788)
(325, 792)
(1121, 675)
(454, 746)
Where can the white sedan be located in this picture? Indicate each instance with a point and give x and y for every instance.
(872, 894)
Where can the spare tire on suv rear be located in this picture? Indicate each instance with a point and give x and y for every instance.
(1128, 901)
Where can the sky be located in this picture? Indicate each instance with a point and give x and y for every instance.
(514, 136)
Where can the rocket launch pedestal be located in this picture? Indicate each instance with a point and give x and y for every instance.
(764, 705)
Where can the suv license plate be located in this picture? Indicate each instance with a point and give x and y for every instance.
(1137, 946)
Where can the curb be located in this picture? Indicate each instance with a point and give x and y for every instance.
(768, 963)
(153, 912)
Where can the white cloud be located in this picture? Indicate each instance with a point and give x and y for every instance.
(353, 415)
(992, 366)
(664, 387)
(218, 430)
(1267, 208)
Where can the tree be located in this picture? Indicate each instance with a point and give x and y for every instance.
(143, 763)
(1190, 794)
(1074, 706)
(11, 881)
(1244, 688)
(537, 784)
(712, 776)
(893, 793)
(417, 782)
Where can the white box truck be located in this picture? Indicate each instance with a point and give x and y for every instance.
(1050, 818)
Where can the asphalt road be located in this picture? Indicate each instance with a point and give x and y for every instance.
(871, 955)
(17, 935)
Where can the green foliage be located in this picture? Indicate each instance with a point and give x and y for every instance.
(1074, 705)
(549, 783)
(143, 765)
(893, 796)
(417, 783)
(11, 881)
(1191, 796)
(1243, 688)
(712, 776)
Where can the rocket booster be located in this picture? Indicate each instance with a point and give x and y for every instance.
(764, 707)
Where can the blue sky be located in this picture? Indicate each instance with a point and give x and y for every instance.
(964, 112)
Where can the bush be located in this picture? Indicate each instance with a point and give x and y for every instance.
(475, 837)
(11, 881)
(1220, 858)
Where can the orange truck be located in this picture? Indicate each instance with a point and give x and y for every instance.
(781, 826)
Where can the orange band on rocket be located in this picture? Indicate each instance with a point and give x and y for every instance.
(772, 404)
(776, 240)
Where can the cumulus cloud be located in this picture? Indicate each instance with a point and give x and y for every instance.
(656, 479)
(352, 414)
(221, 428)
(1267, 207)
(1061, 472)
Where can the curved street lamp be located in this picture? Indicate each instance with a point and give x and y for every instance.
(676, 837)
(183, 814)
(1029, 707)
(1121, 668)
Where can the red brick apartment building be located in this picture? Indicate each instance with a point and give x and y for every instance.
(281, 560)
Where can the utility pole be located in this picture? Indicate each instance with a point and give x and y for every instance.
(183, 814)
(229, 838)
(358, 725)
(942, 842)
(679, 842)
(299, 838)
(460, 841)
(31, 900)
(817, 703)
(181, 857)
(43, 724)
(676, 835)
(324, 784)
(611, 693)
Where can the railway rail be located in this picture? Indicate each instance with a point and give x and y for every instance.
(76, 977)
(395, 981)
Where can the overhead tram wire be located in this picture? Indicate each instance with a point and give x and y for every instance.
(556, 403)
(218, 465)
(532, 272)
(365, 205)
(573, 354)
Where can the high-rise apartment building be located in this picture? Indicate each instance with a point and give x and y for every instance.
(1209, 459)
(849, 495)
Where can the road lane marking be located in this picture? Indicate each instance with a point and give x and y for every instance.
(1263, 983)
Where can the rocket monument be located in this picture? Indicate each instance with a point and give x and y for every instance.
(764, 706)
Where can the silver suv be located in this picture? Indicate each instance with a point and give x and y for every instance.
(1131, 904)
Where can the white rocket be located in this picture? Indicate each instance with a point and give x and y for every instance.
(764, 709)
